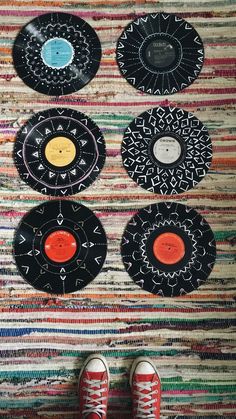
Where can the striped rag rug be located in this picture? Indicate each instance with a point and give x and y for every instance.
(45, 339)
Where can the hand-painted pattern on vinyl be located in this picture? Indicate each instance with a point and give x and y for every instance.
(57, 53)
(168, 249)
(160, 53)
(166, 150)
(60, 246)
(59, 152)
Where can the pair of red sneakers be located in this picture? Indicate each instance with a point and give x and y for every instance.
(94, 387)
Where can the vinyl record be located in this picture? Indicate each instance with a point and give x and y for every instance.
(168, 249)
(59, 247)
(166, 150)
(59, 152)
(57, 53)
(160, 53)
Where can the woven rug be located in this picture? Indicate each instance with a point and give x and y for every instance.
(45, 339)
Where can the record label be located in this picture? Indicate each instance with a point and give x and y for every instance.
(59, 152)
(160, 53)
(57, 53)
(166, 150)
(59, 246)
(168, 249)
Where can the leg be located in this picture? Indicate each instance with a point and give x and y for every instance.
(93, 388)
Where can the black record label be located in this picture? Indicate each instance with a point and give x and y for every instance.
(166, 150)
(59, 152)
(57, 53)
(168, 249)
(60, 246)
(160, 53)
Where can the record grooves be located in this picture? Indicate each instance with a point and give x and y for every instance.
(160, 53)
(57, 53)
(59, 152)
(60, 246)
(168, 249)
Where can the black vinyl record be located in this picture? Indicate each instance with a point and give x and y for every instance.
(57, 53)
(160, 53)
(59, 152)
(168, 249)
(60, 246)
(166, 150)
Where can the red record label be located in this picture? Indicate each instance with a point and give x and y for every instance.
(169, 248)
(60, 246)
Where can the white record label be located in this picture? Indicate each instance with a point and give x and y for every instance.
(167, 150)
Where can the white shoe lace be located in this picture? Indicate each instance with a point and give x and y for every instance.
(94, 405)
(142, 411)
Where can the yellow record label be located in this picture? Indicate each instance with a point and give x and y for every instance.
(60, 151)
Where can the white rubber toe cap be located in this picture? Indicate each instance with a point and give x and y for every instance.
(144, 368)
(96, 365)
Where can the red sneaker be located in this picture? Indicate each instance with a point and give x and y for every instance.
(146, 389)
(93, 388)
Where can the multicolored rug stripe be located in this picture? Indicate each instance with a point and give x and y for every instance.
(44, 339)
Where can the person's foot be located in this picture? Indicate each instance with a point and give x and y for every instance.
(93, 387)
(146, 389)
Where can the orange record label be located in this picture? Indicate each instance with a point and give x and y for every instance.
(60, 246)
(169, 248)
